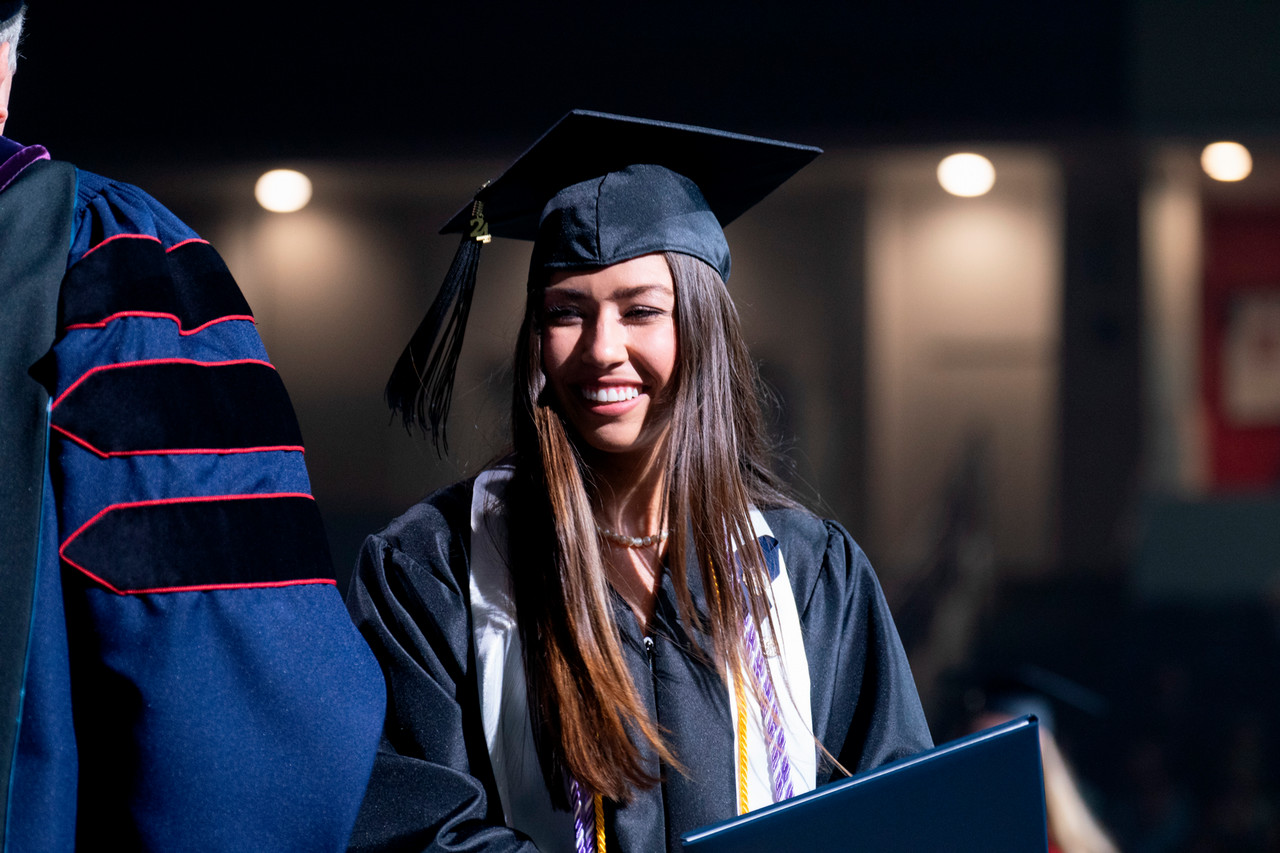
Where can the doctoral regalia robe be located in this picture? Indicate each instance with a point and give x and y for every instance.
(179, 672)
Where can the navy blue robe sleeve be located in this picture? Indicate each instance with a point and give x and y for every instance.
(197, 682)
(432, 787)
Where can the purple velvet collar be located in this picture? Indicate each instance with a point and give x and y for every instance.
(15, 157)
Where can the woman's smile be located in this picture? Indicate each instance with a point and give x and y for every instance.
(610, 393)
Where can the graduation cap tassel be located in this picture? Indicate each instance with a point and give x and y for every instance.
(421, 384)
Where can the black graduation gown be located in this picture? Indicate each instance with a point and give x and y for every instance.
(432, 786)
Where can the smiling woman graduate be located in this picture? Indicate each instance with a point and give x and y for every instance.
(626, 629)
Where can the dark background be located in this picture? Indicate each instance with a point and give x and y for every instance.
(107, 80)
(1187, 746)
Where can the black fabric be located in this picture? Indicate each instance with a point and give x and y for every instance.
(432, 786)
(865, 705)
(732, 170)
(685, 695)
(35, 229)
(153, 406)
(625, 214)
(198, 542)
(410, 597)
(190, 283)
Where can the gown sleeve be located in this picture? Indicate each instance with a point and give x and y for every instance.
(432, 787)
(866, 710)
(196, 682)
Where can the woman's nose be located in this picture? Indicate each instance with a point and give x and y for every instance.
(607, 344)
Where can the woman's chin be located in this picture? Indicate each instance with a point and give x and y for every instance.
(618, 443)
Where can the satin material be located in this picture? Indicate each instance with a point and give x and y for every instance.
(504, 705)
(624, 214)
(433, 786)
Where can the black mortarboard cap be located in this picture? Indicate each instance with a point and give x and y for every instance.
(596, 189)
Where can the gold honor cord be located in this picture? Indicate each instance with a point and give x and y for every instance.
(599, 824)
(741, 698)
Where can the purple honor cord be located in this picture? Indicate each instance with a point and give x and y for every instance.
(770, 716)
(584, 817)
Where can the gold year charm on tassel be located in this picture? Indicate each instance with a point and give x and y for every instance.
(479, 227)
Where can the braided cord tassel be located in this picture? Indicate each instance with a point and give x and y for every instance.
(770, 717)
(600, 846)
(740, 697)
(585, 823)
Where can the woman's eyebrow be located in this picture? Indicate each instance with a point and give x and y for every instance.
(564, 293)
(639, 290)
(643, 290)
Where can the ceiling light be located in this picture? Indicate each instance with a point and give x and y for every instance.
(283, 190)
(1226, 161)
(966, 175)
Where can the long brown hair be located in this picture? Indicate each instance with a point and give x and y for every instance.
(588, 717)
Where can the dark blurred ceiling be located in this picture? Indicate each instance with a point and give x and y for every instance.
(148, 79)
(289, 78)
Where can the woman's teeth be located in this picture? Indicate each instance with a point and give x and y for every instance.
(612, 394)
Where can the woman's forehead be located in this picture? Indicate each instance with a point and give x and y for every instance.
(647, 274)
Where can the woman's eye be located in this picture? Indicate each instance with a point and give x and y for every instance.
(561, 314)
(643, 312)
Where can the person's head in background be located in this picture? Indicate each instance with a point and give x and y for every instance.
(1032, 690)
(12, 15)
